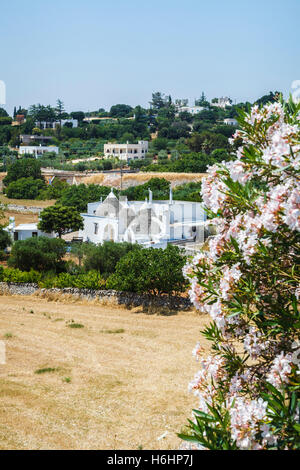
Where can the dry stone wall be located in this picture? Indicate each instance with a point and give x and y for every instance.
(128, 299)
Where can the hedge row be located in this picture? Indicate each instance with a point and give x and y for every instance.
(90, 280)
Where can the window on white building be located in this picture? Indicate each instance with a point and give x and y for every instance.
(95, 229)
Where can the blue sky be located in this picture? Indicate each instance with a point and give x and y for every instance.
(95, 53)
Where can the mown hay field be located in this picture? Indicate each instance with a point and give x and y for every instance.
(26, 202)
(134, 179)
(116, 379)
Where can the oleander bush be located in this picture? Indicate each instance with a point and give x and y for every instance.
(248, 281)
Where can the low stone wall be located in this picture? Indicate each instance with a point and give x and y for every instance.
(129, 299)
(24, 209)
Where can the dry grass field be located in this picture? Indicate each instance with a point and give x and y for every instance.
(118, 382)
(26, 202)
(129, 179)
(23, 217)
(20, 217)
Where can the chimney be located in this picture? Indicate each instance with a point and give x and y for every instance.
(12, 222)
(150, 196)
(171, 196)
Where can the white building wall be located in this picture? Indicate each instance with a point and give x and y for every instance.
(24, 234)
(142, 221)
(230, 122)
(97, 229)
(191, 109)
(54, 124)
(126, 151)
(37, 150)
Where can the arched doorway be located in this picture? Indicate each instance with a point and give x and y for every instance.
(109, 233)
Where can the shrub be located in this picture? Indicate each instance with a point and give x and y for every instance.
(75, 325)
(16, 275)
(150, 270)
(53, 191)
(248, 282)
(41, 253)
(80, 195)
(25, 188)
(159, 186)
(24, 168)
(46, 370)
(5, 239)
(90, 280)
(104, 258)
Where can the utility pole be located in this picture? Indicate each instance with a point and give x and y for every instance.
(121, 172)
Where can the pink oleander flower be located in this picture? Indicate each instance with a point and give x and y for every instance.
(228, 280)
(238, 382)
(246, 417)
(280, 370)
(249, 274)
(255, 344)
(212, 369)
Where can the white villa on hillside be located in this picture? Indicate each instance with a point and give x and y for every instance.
(231, 122)
(37, 150)
(182, 105)
(126, 151)
(222, 102)
(54, 124)
(150, 223)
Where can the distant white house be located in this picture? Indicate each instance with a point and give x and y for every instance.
(190, 109)
(126, 151)
(222, 102)
(54, 124)
(182, 105)
(37, 150)
(231, 122)
(24, 231)
(150, 223)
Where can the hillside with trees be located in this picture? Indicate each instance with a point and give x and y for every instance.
(179, 140)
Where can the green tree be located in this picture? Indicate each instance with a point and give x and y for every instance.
(158, 100)
(24, 168)
(120, 110)
(79, 196)
(5, 121)
(60, 219)
(5, 239)
(60, 110)
(79, 115)
(42, 113)
(104, 258)
(41, 253)
(54, 191)
(25, 188)
(3, 112)
(150, 270)
(270, 98)
(159, 186)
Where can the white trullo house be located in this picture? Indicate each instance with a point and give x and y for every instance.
(151, 223)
